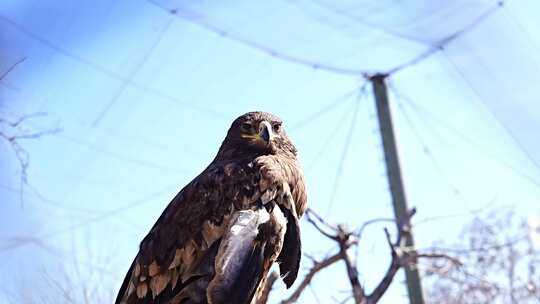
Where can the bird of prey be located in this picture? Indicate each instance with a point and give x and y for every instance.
(217, 239)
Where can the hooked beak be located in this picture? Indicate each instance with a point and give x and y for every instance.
(266, 132)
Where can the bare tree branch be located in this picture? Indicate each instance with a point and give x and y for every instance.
(352, 272)
(317, 266)
(496, 263)
(359, 231)
(316, 220)
(395, 265)
(18, 133)
(455, 261)
(401, 256)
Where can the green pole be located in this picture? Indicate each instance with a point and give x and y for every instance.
(401, 211)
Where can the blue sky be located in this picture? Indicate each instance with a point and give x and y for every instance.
(144, 98)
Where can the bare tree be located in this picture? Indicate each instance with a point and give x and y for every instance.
(71, 281)
(346, 239)
(500, 264)
(13, 131)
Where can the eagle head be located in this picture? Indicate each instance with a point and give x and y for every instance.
(260, 133)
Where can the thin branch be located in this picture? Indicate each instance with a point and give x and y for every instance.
(359, 231)
(402, 256)
(314, 294)
(310, 215)
(23, 157)
(317, 266)
(452, 260)
(395, 265)
(507, 244)
(352, 272)
(320, 219)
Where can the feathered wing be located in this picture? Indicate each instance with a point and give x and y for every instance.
(292, 200)
(289, 257)
(177, 259)
(246, 253)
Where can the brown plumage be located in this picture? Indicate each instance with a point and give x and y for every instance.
(217, 239)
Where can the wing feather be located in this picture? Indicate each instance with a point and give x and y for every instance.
(291, 253)
(172, 252)
(175, 259)
(239, 262)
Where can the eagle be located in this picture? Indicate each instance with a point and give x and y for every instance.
(217, 239)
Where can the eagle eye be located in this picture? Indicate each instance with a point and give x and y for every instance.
(276, 127)
(246, 127)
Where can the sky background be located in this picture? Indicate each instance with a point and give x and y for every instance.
(144, 97)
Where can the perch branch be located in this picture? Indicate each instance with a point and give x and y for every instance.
(352, 272)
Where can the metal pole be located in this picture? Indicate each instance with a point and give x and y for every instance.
(401, 210)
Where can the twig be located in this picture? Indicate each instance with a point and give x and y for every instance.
(453, 260)
(318, 266)
(402, 256)
(482, 249)
(310, 214)
(21, 154)
(395, 265)
(359, 231)
(320, 219)
(352, 272)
